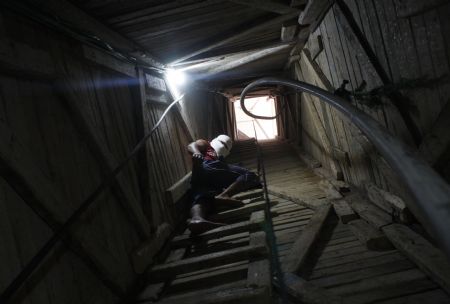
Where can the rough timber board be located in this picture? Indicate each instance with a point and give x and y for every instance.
(307, 292)
(162, 271)
(303, 245)
(423, 253)
(242, 295)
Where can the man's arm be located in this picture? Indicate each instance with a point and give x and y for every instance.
(195, 151)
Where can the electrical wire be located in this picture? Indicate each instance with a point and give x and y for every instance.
(107, 182)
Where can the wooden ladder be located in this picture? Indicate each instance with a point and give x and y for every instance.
(229, 264)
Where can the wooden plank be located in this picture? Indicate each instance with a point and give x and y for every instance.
(259, 272)
(208, 278)
(70, 14)
(379, 282)
(168, 270)
(42, 197)
(179, 189)
(430, 259)
(372, 214)
(254, 223)
(409, 8)
(344, 211)
(306, 292)
(396, 289)
(106, 159)
(351, 29)
(143, 256)
(288, 31)
(307, 239)
(363, 273)
(314, 11)
(269, 6)
(241, 212)
(153, 291)
(436, 296)
(236, 36)
(356, 265)
(226, 295)
(389, 202)
(370, 237)
(106, 60)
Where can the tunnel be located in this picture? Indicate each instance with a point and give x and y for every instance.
(215, 152)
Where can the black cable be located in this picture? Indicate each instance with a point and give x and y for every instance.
(107, 182)
(430, 193)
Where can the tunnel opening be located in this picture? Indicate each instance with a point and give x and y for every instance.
(248, 127)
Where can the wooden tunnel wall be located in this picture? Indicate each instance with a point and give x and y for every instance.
(65, 123)
(401, 44)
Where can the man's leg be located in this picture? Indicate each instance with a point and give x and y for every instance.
(198, 224)
(245, 180)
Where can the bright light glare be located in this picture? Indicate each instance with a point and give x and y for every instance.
(176, 77)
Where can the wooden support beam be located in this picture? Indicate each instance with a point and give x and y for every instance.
(233, 37)
(389, 202)
(232, 63)
(314, 12)
(308, 293)
(372, 214)
(105, 158)
(41, 195)
(288, 31)
(368, 236)
(410, 8)
(139, 95)
(269, 6)
(307, 239)
(259, 274)
(319, 78)
(430, 259)
(344, 211)
(205, 261)
(294, 197)
(100, 57)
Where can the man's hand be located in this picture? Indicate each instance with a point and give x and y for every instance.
(197, 156)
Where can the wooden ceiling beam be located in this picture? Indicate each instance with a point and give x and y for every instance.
(72, 15)
(160, 11)
(239, 35)
(224, 55)
(246, 59)
(269, 6)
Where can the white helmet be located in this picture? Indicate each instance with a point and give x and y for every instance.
(222, 144)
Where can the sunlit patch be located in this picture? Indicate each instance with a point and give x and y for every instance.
(247, 126)
(175, 80)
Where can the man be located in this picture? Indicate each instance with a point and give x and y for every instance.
(214, 181)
